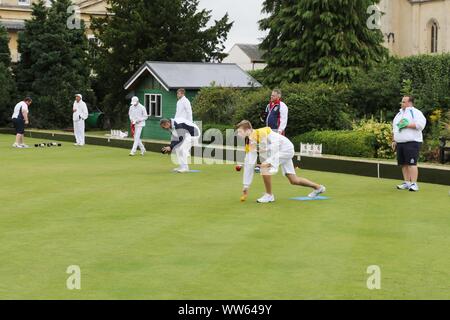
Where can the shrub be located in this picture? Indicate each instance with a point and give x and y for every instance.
(430, 77)
(342, 143)
(216, 104)
(383, 134)
(7, 92)
(252, 104)
(312, 106)
(438, 128)
(377, 91)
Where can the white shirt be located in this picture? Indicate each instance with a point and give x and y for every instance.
(283, 117)
(408, 135)
(184, 109)
(138, 115)
(82, 112)
(273, 149)
(21, 104)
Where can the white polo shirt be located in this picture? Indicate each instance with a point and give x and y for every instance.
(184, 109)
(22, 105)
(409, 135)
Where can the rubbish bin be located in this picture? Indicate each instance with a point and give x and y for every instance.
(95, 120)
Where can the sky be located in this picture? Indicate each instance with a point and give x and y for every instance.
(244, 13)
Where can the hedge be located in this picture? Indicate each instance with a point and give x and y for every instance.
(312, 106)
(341, 143)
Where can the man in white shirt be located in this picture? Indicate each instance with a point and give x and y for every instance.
(276, 113)
(138, 115)
(408, 126)
(276, 151)
(80, 114)
(20, 119)
(184, 108)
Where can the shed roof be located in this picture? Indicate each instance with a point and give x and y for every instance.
(194, 75)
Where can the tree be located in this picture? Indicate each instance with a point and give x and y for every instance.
(7, 85)
(28, 44)
(5, 54)
(159, 30)
(319, 40)
(54, 65)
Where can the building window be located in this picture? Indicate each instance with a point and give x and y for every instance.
(434, 37)
(93, 44)
(23, 2)
(153, 104)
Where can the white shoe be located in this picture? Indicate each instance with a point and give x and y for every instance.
(24, 146)
(15, 145)
(414, 187)
(76, 144)
(404, 186)
(316, 193)
(182, 171)
(266, 198)
(132, 154)
(176, 169)
(143, 152)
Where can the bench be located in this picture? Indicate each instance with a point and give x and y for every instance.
(443, 148)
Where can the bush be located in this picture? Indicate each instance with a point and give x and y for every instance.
(438, 127)
(221, 127)
(317, 106)
(430, 77)
(7, 92)
(377, 91)
(312, 106)
(259, 75)
(383, 134)
(341, 143)
(252, 104)
(216, 104)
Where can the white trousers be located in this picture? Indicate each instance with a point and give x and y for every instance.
(78, 128)
(182, 153)
(137, 140)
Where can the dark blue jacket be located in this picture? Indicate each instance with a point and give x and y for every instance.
(180, 129)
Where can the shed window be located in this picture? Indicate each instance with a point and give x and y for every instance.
(153, 104)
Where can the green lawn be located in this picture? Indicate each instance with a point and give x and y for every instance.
(138, 231)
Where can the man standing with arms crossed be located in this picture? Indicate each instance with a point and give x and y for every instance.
(80, 114)
(184, 108)
(408, 126)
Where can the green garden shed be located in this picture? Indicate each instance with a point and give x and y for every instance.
(156, 85)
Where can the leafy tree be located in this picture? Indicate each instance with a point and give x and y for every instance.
(319, 40)
(5, 55)
(376, 92)
(7, 85)
(159, 30)
(54, 64)
(28, 45)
